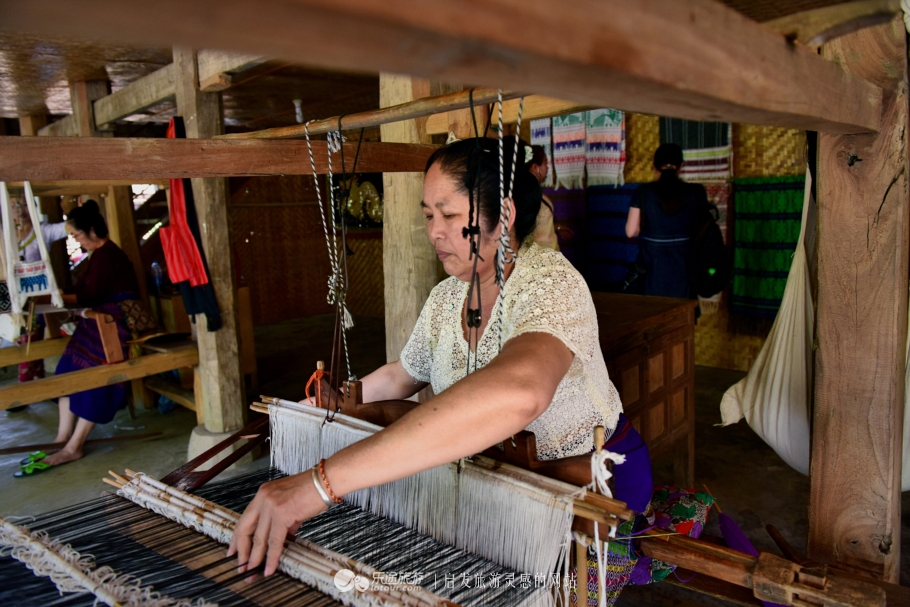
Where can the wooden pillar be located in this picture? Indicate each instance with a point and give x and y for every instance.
(219, 352)
(854, 505)
(83, 95)
(30, 125)
(122, 226)
(408, 258)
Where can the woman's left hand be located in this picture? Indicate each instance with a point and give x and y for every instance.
(275, 513)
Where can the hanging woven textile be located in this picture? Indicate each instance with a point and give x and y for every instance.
(541, 134)
(766, 229)
(706, 147)
(569, 150)
(774, 397)
(26, 278)
(605, 148)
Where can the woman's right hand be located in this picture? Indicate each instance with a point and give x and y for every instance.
(274, 514)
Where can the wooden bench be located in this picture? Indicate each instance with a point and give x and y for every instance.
(179, 355)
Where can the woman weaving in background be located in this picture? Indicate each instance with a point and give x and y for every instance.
(108, 280)
(534, 358)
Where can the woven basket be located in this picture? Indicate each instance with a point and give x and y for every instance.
(642, 140)
(768, 151)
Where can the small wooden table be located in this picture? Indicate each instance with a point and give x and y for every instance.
(649, 346)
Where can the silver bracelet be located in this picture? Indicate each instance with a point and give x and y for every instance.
(320, 489)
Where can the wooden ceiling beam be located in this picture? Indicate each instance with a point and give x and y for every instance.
(817, 26)
(65, 127)
(139, 95)
(694, 59)
(217, 68)
(150, 160)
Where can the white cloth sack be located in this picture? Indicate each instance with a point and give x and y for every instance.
(774, 397)
(26, 278)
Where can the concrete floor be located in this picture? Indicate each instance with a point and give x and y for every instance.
(751, 482)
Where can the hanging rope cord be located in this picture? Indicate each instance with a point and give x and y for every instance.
(338, 278)
(504, 252)
(474, 316)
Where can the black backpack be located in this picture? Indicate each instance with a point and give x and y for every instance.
(710, 265)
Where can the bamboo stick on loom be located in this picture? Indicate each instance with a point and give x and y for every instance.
(218, 522)
(593, 507)
(396, 113)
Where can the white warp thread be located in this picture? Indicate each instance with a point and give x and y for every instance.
(499, 518)
(73, 572)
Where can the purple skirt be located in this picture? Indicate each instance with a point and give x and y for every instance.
(632, 480)
(98, 405)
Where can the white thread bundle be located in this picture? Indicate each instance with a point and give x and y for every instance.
(73, 572)
(600, 474)
(496, 515)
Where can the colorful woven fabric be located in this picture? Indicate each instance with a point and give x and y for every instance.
(541, 134)
(605, 149)
(706, 147)
(682, 510)
(706, 164)
(621, 560)
(767, 213)
(569, 150)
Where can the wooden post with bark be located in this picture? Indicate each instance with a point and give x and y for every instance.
(854, 506)
(408, 257)
(219, 351)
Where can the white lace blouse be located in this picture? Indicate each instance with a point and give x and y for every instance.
(543, 294)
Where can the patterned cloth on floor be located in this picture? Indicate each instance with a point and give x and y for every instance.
(605, 151)
(682, 510)
(541, 135)
(569, 150)
(767, 216)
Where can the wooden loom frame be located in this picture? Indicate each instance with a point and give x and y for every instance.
(748, 74)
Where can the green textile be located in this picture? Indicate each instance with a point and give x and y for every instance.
(767, 213)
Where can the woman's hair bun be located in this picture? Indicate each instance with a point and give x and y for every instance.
(91, 207)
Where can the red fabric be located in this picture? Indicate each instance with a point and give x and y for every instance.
(180, 251)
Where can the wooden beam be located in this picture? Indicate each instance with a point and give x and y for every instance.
(817, 26)
(122, 226)
(536, 106)
(217, 67)
(864, 228)
(219, 351)
(13, 355)
(173, 391)
(135, 97)
(151, 160)
(95, 377)
(711, 62)
(408, 257)
(83, 95)
(409, 110)
(30, 125)
(65, 127)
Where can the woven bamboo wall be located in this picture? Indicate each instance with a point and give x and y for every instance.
(768, 151)
(642, 138)
(279, 250)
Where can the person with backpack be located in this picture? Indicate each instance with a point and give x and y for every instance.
(664, 214)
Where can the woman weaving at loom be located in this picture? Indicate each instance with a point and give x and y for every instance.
(108, 281)
(526, 358)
